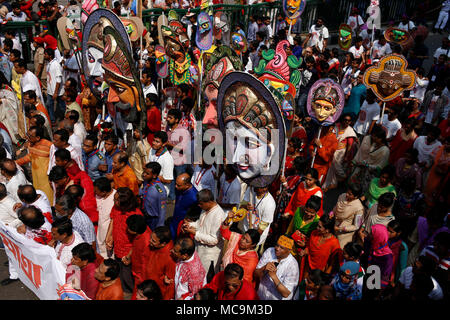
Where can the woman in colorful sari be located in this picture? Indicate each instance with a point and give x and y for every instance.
(302, 225)
(343, 155)
(240, 248)
(345, 283)
(372, 156)
(380, 185)
(305, 190)
(38, 154)
(348, 211)
(323, 247)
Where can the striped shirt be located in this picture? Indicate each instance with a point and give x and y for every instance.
(83, 225)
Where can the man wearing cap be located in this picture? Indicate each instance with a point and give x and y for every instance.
(278, 271)
(50, 42)
(347, 284)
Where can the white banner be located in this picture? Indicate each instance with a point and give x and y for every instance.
(35, 263)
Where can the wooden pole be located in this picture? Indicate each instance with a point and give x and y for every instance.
(315, 148)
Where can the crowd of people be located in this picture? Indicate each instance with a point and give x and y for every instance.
(139, 225)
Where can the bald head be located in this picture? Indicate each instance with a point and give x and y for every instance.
(9, 168)
(27, 193)
(120, 160)
(183, 182)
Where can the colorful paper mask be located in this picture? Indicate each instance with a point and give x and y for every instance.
(87, 8)
(162, 21)
(68, 34)
(279, 72)
(345, 36)
(221, 62)
(293, 8)
(162, 65)
(238, 43)
(325, 101)
(125, 88)
(204, 35)
(390, 77)
(397, 35)
(179, 72)
(248, 110)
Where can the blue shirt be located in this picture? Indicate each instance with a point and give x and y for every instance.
(182, 203)
(354, 101)
(91, 163)
(154, 197)
(109, 159)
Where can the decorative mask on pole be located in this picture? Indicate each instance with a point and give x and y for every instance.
(249, 113)
(204, 35)
(238, 43)
(345, 36)
(293, 9)
(397, 35)
(279, 73)
(221, 62)
(162, 65)
(390, 77)
(125, 90)
(325, 102)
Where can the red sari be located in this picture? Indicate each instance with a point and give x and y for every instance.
(399, 144)
(245, 292)
(324, 155)
(299, 198)
(319, 254)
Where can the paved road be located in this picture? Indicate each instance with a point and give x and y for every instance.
(18, 291)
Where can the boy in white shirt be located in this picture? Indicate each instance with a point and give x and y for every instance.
(368, 115)
(160, 154)
(390, 123)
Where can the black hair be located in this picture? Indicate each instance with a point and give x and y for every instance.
(386, 200)
(40, 120)
(378, 131)
(296, 142)
(389, 170)
(356, 189)
(6, 170)
(395, 225)
(150, 290)
(122, 157)
(74, 115)
(72, 82)
(127, 199)
(176, 113)
(316, 276)
(205, 195)
(84, 251)
(353, 249)
(20, 62)
(310, 59)
(3, 191)
(57, 173)
(314, 202)
(443, 238)
(136, 223)
(63, 134)
(27, 193)
(92, 137)
(300, 164)
(313, 172)
(63, 154)
(39, 131)
(154, 166)
(161, 135)
(163, 234)
(113, 138)
(34, 223)
(193, 213)
(423, 285)
(328, 223)
(63, 226)
(50, 52)
(9, 43)
(254, 235)
(75, 190)
(31, 94)
(187, 245)
(233, 270)
(206, 294)
(103, 184)
(113, 268)
(435, 131)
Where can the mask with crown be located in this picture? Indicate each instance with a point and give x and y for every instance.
(390, 77)
(397, 35)
(325, 101)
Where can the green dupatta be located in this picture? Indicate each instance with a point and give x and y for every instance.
(307, 228)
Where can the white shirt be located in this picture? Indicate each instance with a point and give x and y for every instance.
(406, 279)
(353, 22)
(204, 179)
(181, 288)
(408, 26)
(166, 161)
(357, 53)
(54, 76)
(75, 155)
(391, 127)
(13, 185)
(367, 114)
(440, 51)
(149, 89)
(446, 6)
(264, 211)
(379, 51)
(104, 207)
(318, 35)
(425, 150)
(42, 202)
(208, 239)
(431, 109)
(287, 271)
(7, 214)
(75, 142)
(419, 89)
(29, 79)
(79, 130)
(64, 251)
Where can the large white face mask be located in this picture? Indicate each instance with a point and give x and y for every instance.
(94, 61)
(248, 151)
